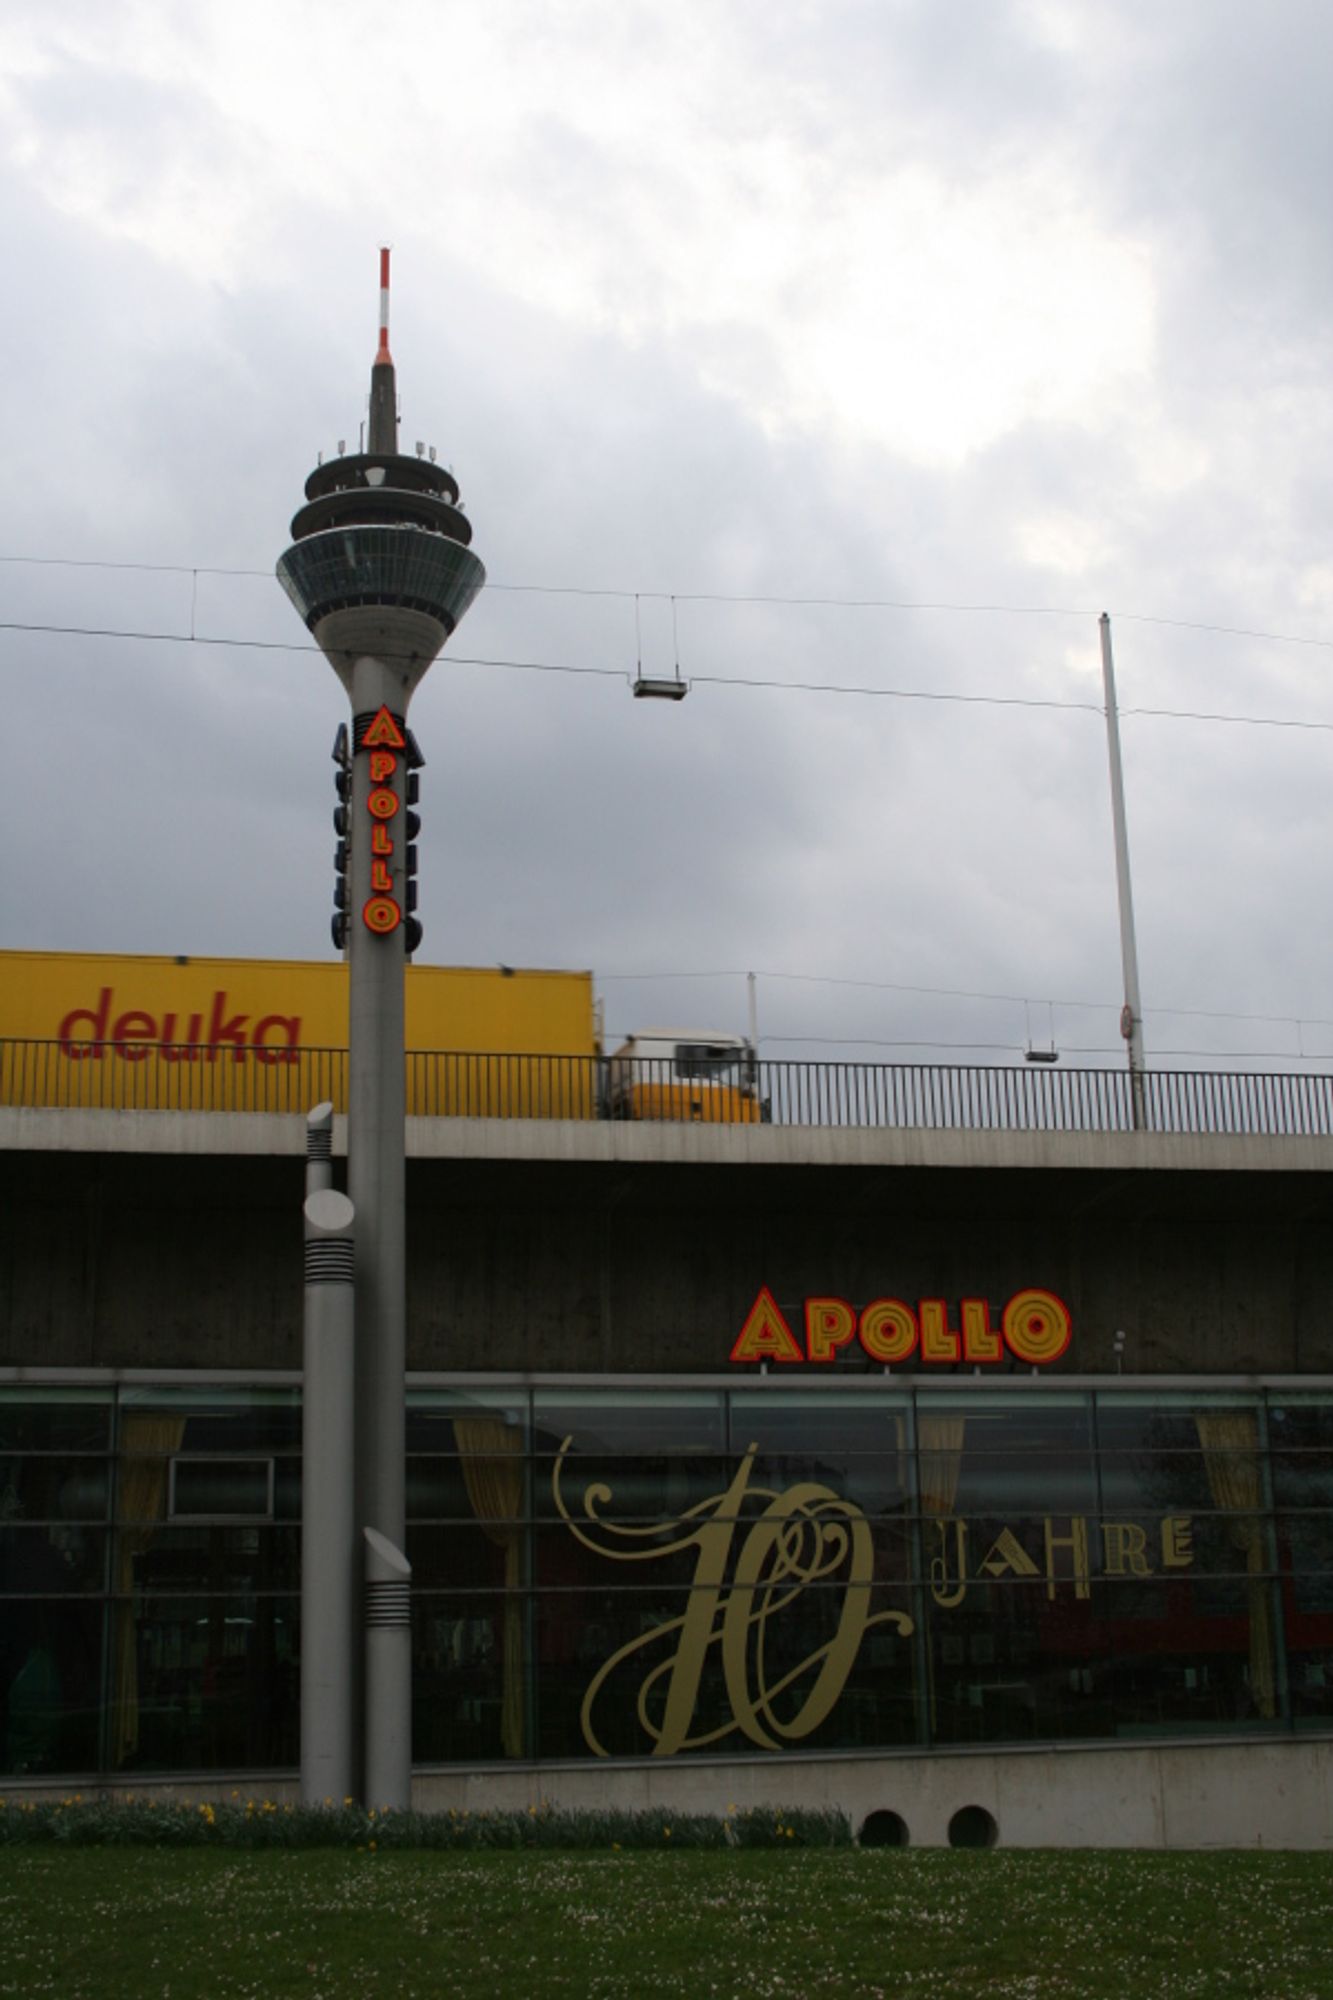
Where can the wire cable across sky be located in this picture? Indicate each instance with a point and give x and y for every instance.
(943, 695)
(828, 600)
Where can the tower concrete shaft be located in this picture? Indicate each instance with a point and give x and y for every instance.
(381, 572)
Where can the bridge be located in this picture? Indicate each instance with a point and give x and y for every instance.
(936, 1097)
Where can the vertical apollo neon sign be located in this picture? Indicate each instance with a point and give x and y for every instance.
(383, 738)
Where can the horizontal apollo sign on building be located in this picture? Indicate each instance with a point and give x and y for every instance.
(1034, 1328)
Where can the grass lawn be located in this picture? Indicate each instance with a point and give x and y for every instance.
(210, 1925)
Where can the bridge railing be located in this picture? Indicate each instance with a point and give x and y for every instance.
(151, 1076)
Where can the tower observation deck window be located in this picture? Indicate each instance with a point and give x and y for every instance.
(409, 566)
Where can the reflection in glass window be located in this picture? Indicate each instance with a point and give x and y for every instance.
(431, 1415)
(470, 1695)
(52, 1560)
(221, 1488)
(50, 1419)
(627, 1422)
(214, 1418)
(858, 1444)
(854, 1565)
(50, 1686)
(1010, 1662)
(207, 1683)
(999, 1455)
(1183, 1658)
(54, 1487)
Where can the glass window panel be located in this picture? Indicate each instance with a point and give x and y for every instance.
(1305, 1548)
(794, 1421)
(636, 1489)
(1300, 1436)
(1184, 1452)
(1186, 1657)
(1180, 1404)
(1001, 1456)
(213, 1418)
(33, 1419)
(221, 1487)
(1302, 1478)
(1009, 1662)
(50, 1686)
(1154, 1483)
(858, 1445)
(221, 1559)
(286, 1489)
(434, 1413)
(1310, 1677)
(54, 1489)
(470, 1690)
(437, 1490)
(204, 1683)
(1169, 1422)
(52, 1560)
(450, 1556)
(1306, 1416)
(624, 1422)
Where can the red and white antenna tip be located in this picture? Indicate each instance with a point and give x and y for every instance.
(383, 354)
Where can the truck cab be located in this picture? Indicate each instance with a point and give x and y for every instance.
(686, 1076)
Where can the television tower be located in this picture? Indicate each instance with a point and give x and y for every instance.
(381, 572)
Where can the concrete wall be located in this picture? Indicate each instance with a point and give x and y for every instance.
(1181, 1796)
(193, 1260)
(1276, 1794)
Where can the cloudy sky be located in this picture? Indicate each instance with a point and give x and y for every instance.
(875, 345)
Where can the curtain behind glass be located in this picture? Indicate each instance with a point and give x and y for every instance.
(1230, 1441)
(940, 1448)
(491, 1455)
(147, 1444)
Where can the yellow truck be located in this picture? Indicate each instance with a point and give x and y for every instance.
(226, 1034)
(685, 1076)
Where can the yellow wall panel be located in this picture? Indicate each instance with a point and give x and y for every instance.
(223, 1033)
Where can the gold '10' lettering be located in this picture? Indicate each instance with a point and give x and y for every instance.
(750, 1569)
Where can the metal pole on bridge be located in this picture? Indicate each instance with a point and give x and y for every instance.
(1131, 1017)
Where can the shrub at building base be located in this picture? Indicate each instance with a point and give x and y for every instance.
(259, 1823)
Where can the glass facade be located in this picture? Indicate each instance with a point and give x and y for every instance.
(395, 565)
(632, 1570)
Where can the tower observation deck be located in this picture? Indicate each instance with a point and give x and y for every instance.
(380, 562)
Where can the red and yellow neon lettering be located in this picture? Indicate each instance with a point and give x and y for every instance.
(888, 1330)
(765, 1335)
(381, 915)
(382, 732)
(829, 1325)
(1037, 1327)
